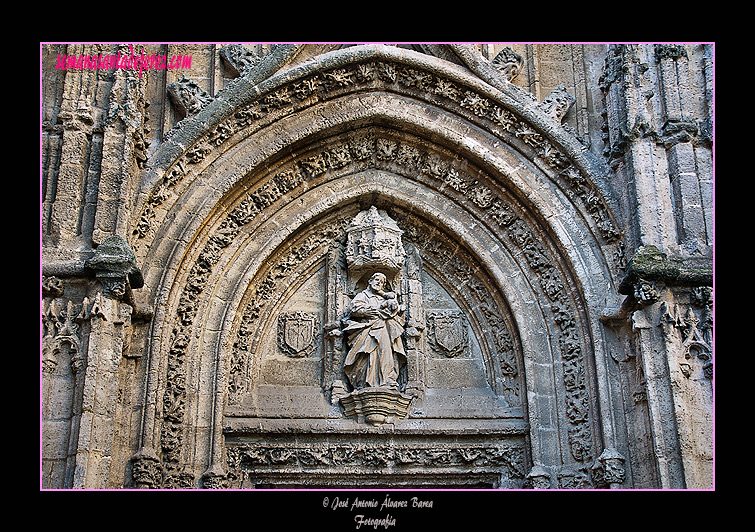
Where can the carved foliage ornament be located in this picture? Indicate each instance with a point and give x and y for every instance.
(695, 332)
(61, 326)
(266, 456)
(320, 86)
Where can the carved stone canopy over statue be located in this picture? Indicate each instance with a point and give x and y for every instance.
(374, 243)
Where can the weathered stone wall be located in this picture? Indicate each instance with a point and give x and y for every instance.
(555, 200)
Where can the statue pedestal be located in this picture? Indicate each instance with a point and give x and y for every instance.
(376, 405)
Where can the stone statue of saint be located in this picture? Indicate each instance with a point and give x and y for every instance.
(376, 351)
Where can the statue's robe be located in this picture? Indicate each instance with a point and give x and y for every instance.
(376, 351)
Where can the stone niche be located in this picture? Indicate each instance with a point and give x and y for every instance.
(379, 372)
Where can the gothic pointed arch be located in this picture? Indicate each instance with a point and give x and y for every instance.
(508, 223)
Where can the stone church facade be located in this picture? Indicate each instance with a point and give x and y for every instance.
(214, 219)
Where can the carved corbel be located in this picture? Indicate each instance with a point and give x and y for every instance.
(646, 266)
(650, 270)
(557, 104)
(114, 265)
(188, 97)
(239, 59)
(508, 63)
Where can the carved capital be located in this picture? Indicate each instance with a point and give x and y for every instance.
(539, 478)
(669, 51)
(215, 478)
(146, 470)
(675, 131)
(612, 467)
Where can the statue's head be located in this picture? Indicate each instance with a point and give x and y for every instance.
(377, 282)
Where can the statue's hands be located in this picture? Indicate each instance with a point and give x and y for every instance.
(389, 308)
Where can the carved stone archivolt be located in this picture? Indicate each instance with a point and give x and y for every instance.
(501, 346)
(378, 75)
(455, 179)
(464, 186)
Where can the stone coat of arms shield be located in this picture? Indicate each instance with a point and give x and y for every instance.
(297, 333)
